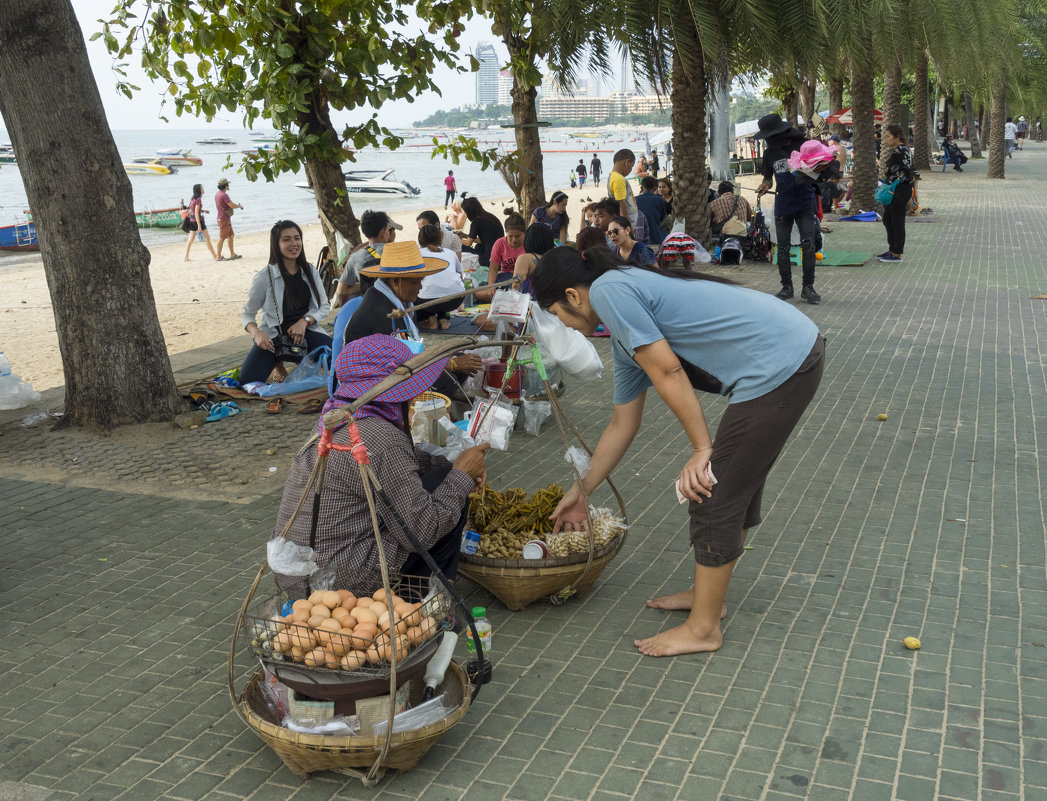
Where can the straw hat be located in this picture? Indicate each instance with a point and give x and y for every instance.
(403, 260)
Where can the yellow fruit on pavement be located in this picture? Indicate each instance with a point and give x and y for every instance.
(912, 643)
(881, 417)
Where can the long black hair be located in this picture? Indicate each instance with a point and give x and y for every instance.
(277, 258)
(557, 197)
(539, 239)
(564, 268)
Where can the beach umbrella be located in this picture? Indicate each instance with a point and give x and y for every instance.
(843, 117)
(660, 138)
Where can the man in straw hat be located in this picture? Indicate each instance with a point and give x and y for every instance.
(398, 281)
(430, 493)
(793, 203)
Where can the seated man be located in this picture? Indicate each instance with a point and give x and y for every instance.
(398, 281)
(451, 240)
(430, 493)
(727, 205)
(379, 229)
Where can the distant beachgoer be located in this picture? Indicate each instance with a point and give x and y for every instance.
(197, 223)
(654, 165)
(594, 168)
(553, 215)
(224, 206)
(1037, 130)
(289, 297)
(457, 218)
(580, 169)
(484, 230)
(450, 188)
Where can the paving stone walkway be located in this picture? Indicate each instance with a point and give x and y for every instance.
(126, 559)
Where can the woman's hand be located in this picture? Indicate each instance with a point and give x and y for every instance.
(297, 331)
(468, 363)
(695, 478)
(570, 512)
(471, 462)
(262, 340)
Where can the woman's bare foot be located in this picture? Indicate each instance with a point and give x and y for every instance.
(680, 640)
(444, 324)
(679, 602)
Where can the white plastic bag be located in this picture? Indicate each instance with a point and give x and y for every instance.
(569, 349)
(510, 306)
(534, 414)
(289, 559)
(579, 460)
(16, 393)
(492, 423)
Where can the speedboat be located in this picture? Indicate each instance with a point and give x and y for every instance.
(168, 158)
(151, 168)
(216, 140)
(373, 183)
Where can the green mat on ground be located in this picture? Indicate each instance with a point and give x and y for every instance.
(834, 258)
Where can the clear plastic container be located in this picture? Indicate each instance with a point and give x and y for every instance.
(5, 365)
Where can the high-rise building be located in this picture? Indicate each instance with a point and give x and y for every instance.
(505, 86)
(487, 75)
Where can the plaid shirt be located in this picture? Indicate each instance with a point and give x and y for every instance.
(344, 537)
(720, 209)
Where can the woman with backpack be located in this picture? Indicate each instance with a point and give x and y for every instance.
(900, 169)
(677, 330)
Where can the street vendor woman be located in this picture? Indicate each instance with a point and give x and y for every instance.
(675, 329)
(430, 493)
(399, 280)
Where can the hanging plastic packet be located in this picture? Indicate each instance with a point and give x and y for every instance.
(564, 347)
(510, 306)
(578, 459)
(534, 414)
(492, 423)
(457, 441)
(289, 559)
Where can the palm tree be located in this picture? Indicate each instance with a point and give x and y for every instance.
(997, 156)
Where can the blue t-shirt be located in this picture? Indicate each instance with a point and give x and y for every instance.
(653, 207)
(749, 341)
(641, 254)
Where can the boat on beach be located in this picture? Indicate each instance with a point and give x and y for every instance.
(151, 168)
(373, 183)
(216, 140)
(159, 218)
(19, 237)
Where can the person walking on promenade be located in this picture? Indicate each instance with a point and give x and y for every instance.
(594, 168)
(899, 168)
(793, 204)
(224, 206)
(450, 188)
(197, 224)
(1010, 131)
(765, 356)
(1021, 131)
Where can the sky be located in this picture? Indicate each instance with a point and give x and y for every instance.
(143, 111)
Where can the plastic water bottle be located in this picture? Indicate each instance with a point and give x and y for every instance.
(486, 632)
(716, 253)
(5, 365)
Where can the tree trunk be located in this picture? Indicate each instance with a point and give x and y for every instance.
(921, 154)
(328, 183)
(862, 107)
(892, 94)
(985, 127)
(528, 146)
(790, 106)
(113, 355)
(808, 89)
(836, 103)
(690, 199)
(997, 155)
(972, 132)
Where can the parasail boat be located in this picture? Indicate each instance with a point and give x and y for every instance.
(151, 168)
(159, 218)
(373, 183)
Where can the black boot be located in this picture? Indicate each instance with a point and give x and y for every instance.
(808, 294)
(785, 292)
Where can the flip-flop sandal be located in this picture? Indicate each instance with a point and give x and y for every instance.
(312, 406)
(222, 410)
(234, 258)
(275, 405)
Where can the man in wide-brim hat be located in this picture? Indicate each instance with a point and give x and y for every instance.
(399, 277)
(430, 493)
(794, 203)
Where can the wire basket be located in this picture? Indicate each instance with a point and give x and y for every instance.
(324, 662)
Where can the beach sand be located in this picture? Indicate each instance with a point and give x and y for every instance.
(198, 302)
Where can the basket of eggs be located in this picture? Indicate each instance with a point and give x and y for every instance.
(340, 647)
(519, 560)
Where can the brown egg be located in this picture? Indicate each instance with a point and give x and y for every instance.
(378, 608)
(380, 595)
(339, 614)
(349, 603)
(317, 597)
(363, 603)
(316, 658)
(301, 603)
(333, 659)
(345, 595)
(298, 654)
(365, 616)
(353, 660)
(302, 637)
(414, 635)
(331, 599)
(282, 642)
(372, 655)
(363, 636)
(320, 610)
(385, 623)
(316, 620)
(403, 645)
(341, 641)
(300, 615)
(429, 627)
(413, 614)
(325, 630)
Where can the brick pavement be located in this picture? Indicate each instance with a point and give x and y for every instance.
(119, 588)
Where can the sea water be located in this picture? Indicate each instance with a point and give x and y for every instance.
(266, 202)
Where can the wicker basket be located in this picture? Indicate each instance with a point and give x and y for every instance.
(518, 582)
(309, 753)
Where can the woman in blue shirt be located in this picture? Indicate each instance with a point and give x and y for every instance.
(678, 330)
(620, 233)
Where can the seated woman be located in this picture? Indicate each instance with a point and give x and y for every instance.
(290, 296)
(554, 216)
(620, 232)
(537, 242)
(430, 493)
(446, 282)
(504, 254)
(456, 217)
(590, 238)
(484, 230)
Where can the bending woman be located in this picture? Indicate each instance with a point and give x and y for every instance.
(764, 355)
(290, 296)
